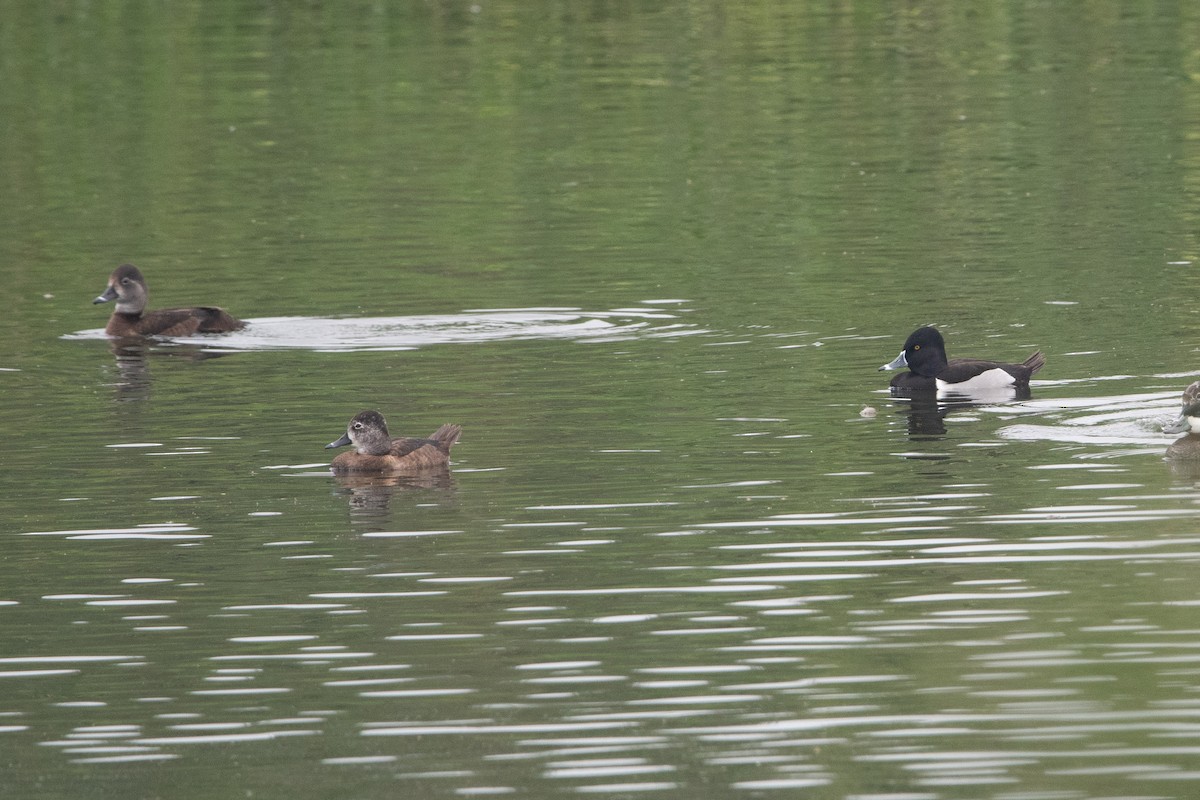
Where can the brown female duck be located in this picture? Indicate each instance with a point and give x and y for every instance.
(130, 318)
(376, 451)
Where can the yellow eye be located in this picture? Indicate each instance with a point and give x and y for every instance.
(916, 347)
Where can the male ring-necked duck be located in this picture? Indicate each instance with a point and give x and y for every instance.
(924, 354)
(127, 286)
(376, 451)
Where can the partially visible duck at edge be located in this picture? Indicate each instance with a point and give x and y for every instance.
(1186, 447)
(130, 318)
(377, 452)
(924, 354)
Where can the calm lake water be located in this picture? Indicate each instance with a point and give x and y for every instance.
(650, 256)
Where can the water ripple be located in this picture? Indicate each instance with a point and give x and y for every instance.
(1043, 515)
(1128, 419)
(167, 531)
(364, 334)
(481, 727)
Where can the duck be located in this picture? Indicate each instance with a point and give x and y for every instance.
(924, 354)
(130, 318)
(375, 451)
(1186, 447)
(1189, 415)
(1183, 453)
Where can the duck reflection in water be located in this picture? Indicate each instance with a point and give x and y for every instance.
(370, 497)
(927, 411)
(133, 371)
(926, 417)
(1186, 449)
(132, 357)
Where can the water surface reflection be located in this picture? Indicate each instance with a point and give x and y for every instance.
(464, 640)
(682, 571)
(132, 355)
(370, 497)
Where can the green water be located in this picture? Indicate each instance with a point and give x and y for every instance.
(650, 256)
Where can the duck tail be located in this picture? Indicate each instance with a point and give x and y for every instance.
(446, 436)
(218, 320)
(1035, 362)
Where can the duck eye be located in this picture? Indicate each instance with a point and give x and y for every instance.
(916, 347)
(358, 426)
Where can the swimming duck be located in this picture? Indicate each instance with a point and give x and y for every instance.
(127, 286)
(924, 354)
(376, 451)
(1189, 416)
(1186, 447)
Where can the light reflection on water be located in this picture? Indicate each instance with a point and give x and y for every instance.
(680, 565)
(991, 664)
(918, 619)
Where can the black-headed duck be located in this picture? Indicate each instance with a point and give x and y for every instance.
(377, 452)
(924, 354)
(130, 318)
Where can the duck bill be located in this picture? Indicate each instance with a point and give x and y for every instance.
(899, 362)
(109, 294)
(342, 442)
(1181, 425)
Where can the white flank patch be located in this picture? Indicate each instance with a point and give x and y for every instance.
(992, 379)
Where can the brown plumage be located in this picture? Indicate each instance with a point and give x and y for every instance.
(130, 318)
(376, 451)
